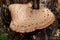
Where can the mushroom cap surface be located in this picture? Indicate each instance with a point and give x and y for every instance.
(25, 19)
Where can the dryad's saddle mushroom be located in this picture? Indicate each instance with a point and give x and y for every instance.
(26, 19)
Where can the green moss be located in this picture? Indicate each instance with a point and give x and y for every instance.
(58, 37)
(3, 37)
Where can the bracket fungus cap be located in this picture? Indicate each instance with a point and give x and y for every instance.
(25, 19)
